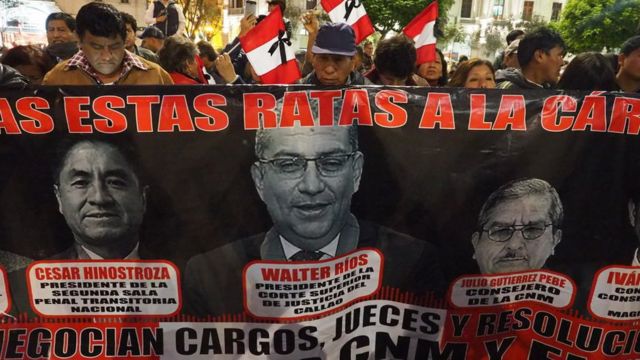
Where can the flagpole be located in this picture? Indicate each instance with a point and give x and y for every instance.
(233, 48)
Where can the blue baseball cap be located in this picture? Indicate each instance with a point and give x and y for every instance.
(335, 39)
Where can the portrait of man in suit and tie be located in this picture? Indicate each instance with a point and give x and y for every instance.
(306, 177)
(518, 228)
(97, 182)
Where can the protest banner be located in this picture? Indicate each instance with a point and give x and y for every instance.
(273, 222)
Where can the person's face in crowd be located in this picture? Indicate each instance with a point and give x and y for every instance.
(104, 54)
(511, 61)
(357, 62)
(100, 196)
(31, 72)
(193, 68)
(332, 69)
(208, 63)
(152, 44)
(58, 32)
(516, 253)
(368, 49)
(552, 63)
(480, 77)
(630, 64)
(310, 206)
(388, 79)
(431, 71)
(130, 41)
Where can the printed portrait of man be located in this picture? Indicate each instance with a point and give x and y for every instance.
(518, 228)
(306, 177)
(100, 193)
(102, 198)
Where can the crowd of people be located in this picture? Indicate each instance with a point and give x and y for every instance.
(98, 46)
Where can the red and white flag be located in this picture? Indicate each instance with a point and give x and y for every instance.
(352, 13)
(420, 29)
(269, 51)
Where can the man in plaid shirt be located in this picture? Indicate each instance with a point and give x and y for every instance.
(102, 58)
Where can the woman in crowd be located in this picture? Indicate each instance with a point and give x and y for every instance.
(179, 57)
(474, 73)
(29, 60)
(435, 72)
(588, 71)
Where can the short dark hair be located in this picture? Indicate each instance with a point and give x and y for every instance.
(514, 34)
(122, 143)
(588, 71)
(395, 56)
(27, 55)
(541, 38)
(459, 77)
(630, 45)
(207, 50)
(175, 53)
(129, 19)
(68, 19)
(100, 19)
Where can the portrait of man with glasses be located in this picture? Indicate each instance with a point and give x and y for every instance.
(519, 227)
(306, 177)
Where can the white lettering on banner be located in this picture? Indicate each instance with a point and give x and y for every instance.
(370, 327)
(540, 286)
(264, 62)
(616, 293)
(104, 288)
(281, 290)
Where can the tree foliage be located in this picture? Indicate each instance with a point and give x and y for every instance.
(452, 33)
(590, 25)
(201, 13)
(388, 15)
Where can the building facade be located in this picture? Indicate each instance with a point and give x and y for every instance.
(484, 21)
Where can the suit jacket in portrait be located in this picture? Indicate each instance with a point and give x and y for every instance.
(212, 283)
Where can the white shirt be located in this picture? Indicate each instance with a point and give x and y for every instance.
(150, 20)
(635, 261)
(328, 251)
(133, 255)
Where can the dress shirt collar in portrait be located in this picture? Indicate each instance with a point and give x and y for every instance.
(84, 253)
(636, 260)
(328, 251)
(272, 249)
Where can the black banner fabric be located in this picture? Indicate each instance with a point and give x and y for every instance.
(308, 223)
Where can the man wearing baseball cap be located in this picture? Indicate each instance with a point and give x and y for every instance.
(333, 54)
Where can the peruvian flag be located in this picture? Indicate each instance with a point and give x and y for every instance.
(269, 51)
(352, 13)
(420, 29)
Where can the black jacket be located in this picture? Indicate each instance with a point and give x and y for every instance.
(11, 78)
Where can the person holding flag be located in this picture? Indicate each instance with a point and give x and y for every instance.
(333, 54)
(270, 52)
(430, 61)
